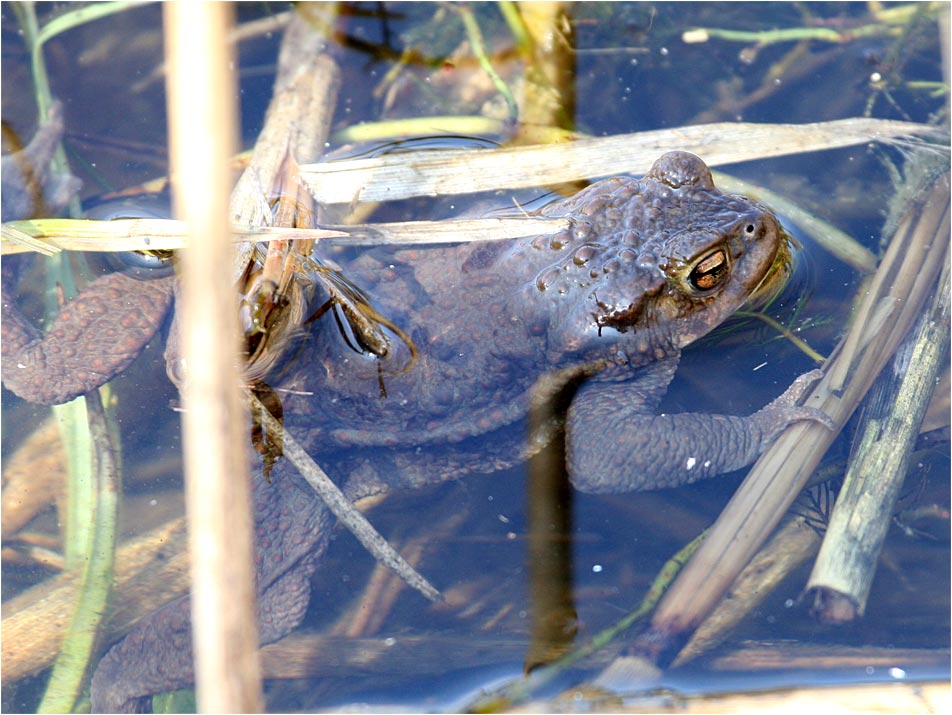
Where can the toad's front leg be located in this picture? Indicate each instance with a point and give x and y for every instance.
(615, 443)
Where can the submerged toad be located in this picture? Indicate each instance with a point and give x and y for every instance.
(647, 267)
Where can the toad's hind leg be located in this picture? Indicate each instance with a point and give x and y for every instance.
(292, 530)
(156, 656)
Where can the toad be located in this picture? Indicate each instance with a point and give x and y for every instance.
(645, 268)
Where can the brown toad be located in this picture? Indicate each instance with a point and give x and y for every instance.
(647, 267)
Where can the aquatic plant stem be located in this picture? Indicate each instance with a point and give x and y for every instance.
(89, 532)
(66, 680)
(843, 573)
(521, 690)
(342, 508)
(801, 344)
(34, 37)
(475, 38)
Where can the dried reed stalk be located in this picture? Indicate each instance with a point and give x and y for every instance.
(202, 111)
(461, 171)
(51, 236)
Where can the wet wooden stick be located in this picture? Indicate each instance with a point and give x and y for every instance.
(202, 111)
(298, 121)
(793, 544)
(342, 508)
(843, 573)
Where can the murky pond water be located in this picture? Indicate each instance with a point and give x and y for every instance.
(365, 639)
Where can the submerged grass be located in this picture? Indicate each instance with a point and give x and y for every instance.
(889, 22)
(92, 466)
(79, 646)
(517, 692)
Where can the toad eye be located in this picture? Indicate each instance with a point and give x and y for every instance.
(710, 272)
(143, 265)
(145, 259)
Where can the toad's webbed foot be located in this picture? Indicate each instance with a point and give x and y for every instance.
(29, 187)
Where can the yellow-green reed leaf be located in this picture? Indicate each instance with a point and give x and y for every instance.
(80, 16)
(475, 37)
